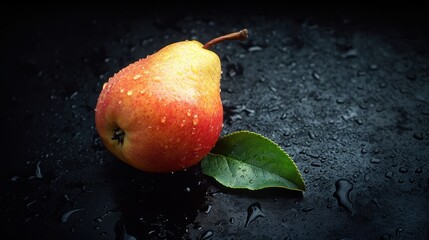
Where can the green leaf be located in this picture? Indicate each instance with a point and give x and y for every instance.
(249, 160)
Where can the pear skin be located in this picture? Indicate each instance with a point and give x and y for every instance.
(163, 113)
(168, 106)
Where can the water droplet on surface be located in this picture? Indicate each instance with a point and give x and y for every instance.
(122, 90)
(403, 169)
(419, 170)
(188, 113)
(366, 177)
(207, 209)
(316, 164)
(142, 91)
(137, 76)
(307, 209)
(418, 136)
(389, 174)
(197, 225)
(235, 117)
(340, 100)
(66, 215)
(375, 160)
(163, 119)
(206, 235)
(373, 67)
(376, 201)
(130, 92)
(195, 120)
(253, 212)
(316, 76)
(342, 194)
(254, 49)
(399, 231)
(38, 170)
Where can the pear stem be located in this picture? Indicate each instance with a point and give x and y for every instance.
(240, 35)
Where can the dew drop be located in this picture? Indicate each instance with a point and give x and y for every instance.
(163, 119)
(375, 160)
(389, 174)
(207, 209)
(419, 170)
(142, 91)
(122, 90)
(38, 172)
(307, 209)
(198, 147)
(376, 202)
(399, 231)
(189, 113)
(366, 177)
(66, 215)
(129, 93)
(253, 212)
(207, 235)
(342, 194)
(137, 76)
(195, 121)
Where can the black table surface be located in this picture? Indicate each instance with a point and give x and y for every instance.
(345, 92)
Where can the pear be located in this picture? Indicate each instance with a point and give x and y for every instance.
(164, 113)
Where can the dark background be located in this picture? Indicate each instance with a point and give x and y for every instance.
(343, 89)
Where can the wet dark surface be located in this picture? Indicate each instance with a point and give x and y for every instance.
(346, 94)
